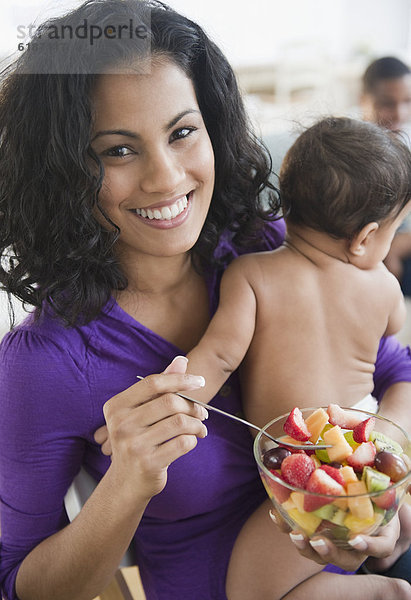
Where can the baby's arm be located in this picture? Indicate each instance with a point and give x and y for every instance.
(229, 333)
(398, 313)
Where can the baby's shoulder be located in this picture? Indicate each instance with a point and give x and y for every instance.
(383, 277)
(261, 260)
(252, 267)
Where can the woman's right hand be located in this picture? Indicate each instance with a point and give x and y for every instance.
(148, 427)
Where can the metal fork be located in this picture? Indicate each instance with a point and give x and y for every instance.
(244, 422)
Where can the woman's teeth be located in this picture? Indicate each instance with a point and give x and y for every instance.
(166, 212)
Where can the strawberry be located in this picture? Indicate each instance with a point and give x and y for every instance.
(334, 473)
(321, 483)
(296, 469)
(295, 426)
(344, 418)
(362, 456)
(361, 432)
(385, 500)
(280, 492)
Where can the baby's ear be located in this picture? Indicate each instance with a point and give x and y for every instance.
(360, 241)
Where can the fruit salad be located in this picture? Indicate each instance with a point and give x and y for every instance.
(356, 485)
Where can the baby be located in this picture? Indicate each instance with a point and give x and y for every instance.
(306, 319)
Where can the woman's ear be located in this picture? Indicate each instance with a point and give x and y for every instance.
(358, 244)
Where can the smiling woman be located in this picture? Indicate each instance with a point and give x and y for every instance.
(95, 80)
(129, 180)
(148, 183)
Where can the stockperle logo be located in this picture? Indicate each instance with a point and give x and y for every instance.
(81, 47)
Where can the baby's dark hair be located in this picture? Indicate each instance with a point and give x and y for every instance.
(52, 247)
(341, 174)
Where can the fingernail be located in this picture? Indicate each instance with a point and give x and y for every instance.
(196, 380)
(319, 546)
(177, 357)
(272, 517)
(204, 412)
(296, 537)
(358, 543)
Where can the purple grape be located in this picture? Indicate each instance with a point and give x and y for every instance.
(390, 464)
(273, 458)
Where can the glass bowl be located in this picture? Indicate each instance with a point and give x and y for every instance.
(337, 517)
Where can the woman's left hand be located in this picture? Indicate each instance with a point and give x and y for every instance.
(323, 551)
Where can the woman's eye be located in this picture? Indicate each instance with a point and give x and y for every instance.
(183, 132)
(118, 151)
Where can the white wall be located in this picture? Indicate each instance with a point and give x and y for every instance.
(343, 27)
(4, 313)
(260, 32)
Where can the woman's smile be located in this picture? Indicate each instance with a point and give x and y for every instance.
(167, 214)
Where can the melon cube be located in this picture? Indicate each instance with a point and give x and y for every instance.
(315, 423)
(357, 525)
(307, 521)
(298, 499)
(288, 440)
(341, 503)
(349, 474)
(288, 504)
(360, 507)
(340, 447)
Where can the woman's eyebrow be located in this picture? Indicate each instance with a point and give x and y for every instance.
(136, 136)
(122, 132)
(180, 116)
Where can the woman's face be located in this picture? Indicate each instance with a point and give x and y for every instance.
(158, 160)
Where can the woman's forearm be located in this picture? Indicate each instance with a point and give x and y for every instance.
(78, 562)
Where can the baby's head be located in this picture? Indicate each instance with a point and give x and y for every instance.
(342, 174)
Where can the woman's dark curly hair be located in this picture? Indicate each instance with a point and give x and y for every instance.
(53, 248)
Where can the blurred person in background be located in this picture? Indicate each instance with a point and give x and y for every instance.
(386, 94)
(386, 100)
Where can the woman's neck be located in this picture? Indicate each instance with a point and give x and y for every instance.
(168, 296)
(156, 275)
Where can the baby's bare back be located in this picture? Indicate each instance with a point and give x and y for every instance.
(317, 333)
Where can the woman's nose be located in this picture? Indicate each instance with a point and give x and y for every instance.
(162, 172)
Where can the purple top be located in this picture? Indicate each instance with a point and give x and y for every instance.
(53, 384)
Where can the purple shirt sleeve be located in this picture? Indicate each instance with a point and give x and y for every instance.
(392, 366)
(42, 404)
